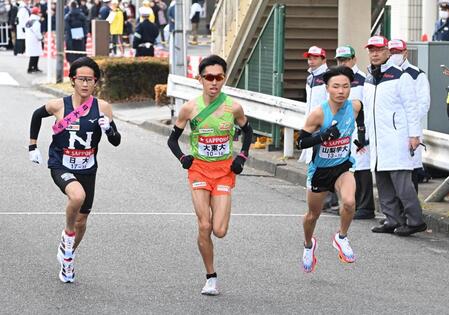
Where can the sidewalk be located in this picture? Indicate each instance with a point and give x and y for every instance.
(157, 119)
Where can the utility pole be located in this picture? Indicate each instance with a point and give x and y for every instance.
(49, 44)
(59, 41)
(178, 49)
(179, 62)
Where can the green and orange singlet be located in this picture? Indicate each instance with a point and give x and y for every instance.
(212, 139)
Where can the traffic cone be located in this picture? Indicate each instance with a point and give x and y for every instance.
(52, 47)
(89, 44)
(66, 68)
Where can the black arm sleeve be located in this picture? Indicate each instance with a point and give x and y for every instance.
(114, 137)
(173, 143)
(360, 120)
(247, 138)
(36, 121)
(307, 140)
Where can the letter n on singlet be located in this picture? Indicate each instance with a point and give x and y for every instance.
(74, 137)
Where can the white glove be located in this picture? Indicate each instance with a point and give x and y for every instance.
(35, 156)
(103, 121)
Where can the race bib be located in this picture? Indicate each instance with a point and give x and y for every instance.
(78, 159)
(213, 146)
(335, 149)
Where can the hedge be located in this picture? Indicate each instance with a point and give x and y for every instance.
(130, 78)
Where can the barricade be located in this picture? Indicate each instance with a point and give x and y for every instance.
(4, 36)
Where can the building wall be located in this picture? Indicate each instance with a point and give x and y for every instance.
(410, 19)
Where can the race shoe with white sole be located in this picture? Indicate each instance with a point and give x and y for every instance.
(65, 257)
(67, 271)
(345, 253)
(308, 257)
(211, 287)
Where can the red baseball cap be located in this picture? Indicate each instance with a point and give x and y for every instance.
(315, 51)
(397, 44)
(35, 10)
(377, 41)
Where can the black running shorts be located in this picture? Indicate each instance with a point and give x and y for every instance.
(62, 178)
(324, 178)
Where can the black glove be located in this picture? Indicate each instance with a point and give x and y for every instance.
(237, 164)
(330, 133)
(186, 161)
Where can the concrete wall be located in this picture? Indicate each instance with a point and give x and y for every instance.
(355, 36)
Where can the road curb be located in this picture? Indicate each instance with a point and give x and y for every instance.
(50, 90)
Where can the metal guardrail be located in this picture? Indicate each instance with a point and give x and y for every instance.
(278, 110)
(291, 115)
(437, 153)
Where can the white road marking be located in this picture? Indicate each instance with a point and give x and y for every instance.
(7, 79)
(279, 215)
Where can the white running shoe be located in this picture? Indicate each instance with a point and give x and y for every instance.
(67, 271)
(308, 257)
(210, 288)
(345, 252)
(65, 258)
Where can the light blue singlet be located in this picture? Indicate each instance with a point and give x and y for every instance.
(334, 152)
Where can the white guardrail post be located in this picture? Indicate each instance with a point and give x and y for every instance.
(291, 115)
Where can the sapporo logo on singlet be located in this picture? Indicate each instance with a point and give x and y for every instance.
(335, 149)
(213, 146)
(79, 159)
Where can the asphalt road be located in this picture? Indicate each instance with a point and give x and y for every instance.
(139, 255)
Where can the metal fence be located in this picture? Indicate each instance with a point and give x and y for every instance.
(4, 36)
(264, 69)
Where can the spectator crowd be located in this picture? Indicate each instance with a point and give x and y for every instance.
(25, 23)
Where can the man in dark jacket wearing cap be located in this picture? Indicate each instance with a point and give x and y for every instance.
(145, 35)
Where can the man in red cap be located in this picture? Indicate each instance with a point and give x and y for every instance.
(33, 40)
(399, 52)
(394, 129)
(315, 88)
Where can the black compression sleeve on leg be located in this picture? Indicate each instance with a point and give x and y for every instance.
(247, 138)
(307, 140)
(173, 143)
(36, 121)
(114, 137)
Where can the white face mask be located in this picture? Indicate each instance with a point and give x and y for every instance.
(444, 15)
(397, 59)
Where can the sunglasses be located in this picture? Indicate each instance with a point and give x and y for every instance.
(212, 77)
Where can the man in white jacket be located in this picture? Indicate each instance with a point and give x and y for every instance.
(394, 129)
(22, 18)
(315, 88)
(399, 52)
(33, 40)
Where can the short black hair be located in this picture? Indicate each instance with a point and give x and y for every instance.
(210, 61)
(85, 62)
(338, 70)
